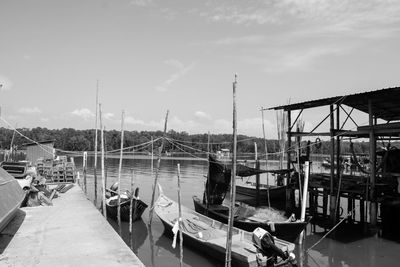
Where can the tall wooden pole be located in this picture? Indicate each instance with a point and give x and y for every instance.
(180, 218)
(103, 178)
(233, 183)
(266, 158)
(372, 160)
(207, 193)
(152, 156)
(332, 203)
(158, 168)
(288, 203)
(119, 172)
(84, 171)
(95, 145)
(131, 206)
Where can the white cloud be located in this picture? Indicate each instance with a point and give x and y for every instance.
(27, 111)
(141, 3)
(182, 70)
(5, 83)
(202, 115)
(108, 115)
(132, 120)
(84, 113)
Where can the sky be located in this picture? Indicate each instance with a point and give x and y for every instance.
(149, 56)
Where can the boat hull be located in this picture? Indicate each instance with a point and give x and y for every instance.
(209, 236)
(247, 194)
(288, 231)
(11, 198)
(140, 206)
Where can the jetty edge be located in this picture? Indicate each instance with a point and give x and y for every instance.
(72, 232)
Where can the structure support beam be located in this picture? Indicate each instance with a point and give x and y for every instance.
(372, 154)
(332, 202)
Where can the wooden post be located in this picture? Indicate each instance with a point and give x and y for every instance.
(119, 172)
(338, 163)
(233, 183)
(258, 186)
(332, 203)
(207, 189)
(288, 162)
(152, 156)
(372, 160)
(158, 169)
(95, 146)
(84, 171)
(180, 219)
(131, 206)
(103, 179)
(304, 198)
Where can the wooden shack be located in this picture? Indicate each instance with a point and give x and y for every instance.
(372, 186)
(36, 150)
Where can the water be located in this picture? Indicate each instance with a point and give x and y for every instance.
(154, 248)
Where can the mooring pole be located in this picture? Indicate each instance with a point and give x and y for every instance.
(84, 171)
(233, 183)
(180, 218)
(95, 145)
(332, 196)
(103, 178)
(119, 172)
(372, 160)
(158, 169)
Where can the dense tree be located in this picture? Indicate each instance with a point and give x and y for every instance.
(83, 140)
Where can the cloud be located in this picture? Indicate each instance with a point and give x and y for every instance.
(5, 83)
(202, 115)
(108, 115)
(141, 3)
(182, 70)
(27, 111)
(84, 113)
(132, 120)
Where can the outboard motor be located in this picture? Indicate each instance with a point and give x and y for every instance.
(268, 253)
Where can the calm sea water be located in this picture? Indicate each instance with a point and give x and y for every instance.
(154, 248)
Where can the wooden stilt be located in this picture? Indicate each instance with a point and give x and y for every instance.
(84, 171)
(131, 205)
(158, 169)
(180, 219)
(103, 178)
(95, 146)
(119, 172)
(233, 183)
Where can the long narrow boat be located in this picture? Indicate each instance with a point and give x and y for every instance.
(138, 206)
(247, 193)
(249, 218)
(11, 197)
(209, 236)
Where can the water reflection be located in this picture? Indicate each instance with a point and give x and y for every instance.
(154, 248)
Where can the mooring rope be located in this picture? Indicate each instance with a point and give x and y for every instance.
(333, 228)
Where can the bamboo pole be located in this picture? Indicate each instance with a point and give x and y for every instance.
(158, 168)
(266, 155)
(105, 160)
(180, 219)
(95, 146)
(304, 198)
(119, 172)
(233, 183)
(131, 205)
(207, 192)
(84, 171)
(152, 156)
(103, 179)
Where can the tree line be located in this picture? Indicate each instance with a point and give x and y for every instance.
(70, 139)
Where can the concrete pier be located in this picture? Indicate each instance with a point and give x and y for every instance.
(70, 233)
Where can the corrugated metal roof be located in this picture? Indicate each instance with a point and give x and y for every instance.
(385, 103)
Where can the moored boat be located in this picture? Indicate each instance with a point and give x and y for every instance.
(11, 197)
(138, 206)
(249, 218)
(209, 236)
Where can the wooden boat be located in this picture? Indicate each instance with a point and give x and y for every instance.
(249, 218)
(209, 236)
(247, 193)
(138, 206)
(11, 198)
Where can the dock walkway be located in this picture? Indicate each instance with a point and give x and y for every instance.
(70, 233)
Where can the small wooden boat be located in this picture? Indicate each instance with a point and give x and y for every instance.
(209, 236)
(138, 206)
(249, 218)
(11, 198)
(247, 193)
